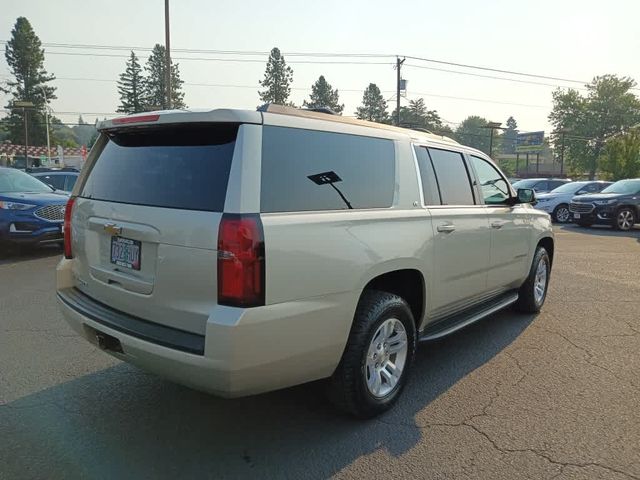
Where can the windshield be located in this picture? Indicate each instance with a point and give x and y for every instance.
(569, 187)
(14, 181)
(623, 186)
(525, 184)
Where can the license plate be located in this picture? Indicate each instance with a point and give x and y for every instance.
(576, 215)
(125, 252)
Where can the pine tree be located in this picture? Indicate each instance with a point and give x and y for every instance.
(416, 115)
(278, 77)
(25, 58)
(155, 96)
(510, 136)
(131, 87)
(322, 95)
(374, 106)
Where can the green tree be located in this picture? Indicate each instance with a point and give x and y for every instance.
(416, 115)
(510, 136)
(83, 132)
(155, 89)
(62, 134)
(608, 108)
(323, 95)
(621, 157)
(25, 58)
(374, 106)
(131, 87)
(278, 77)
(473, 132)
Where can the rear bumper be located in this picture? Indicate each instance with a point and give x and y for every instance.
(246, 351)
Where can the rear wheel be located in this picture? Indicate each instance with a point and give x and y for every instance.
(561, 213)
(625, 219)
(375, 364)
(533, 291)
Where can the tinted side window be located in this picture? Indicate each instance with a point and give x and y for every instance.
(428, 177)
(177, 166)
(452, 176)
(305, 170)
(541, 186)
(494, 188)
(594, 187)
(555, 184)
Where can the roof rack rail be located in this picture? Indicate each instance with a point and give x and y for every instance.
(326, 110)
(322, 115)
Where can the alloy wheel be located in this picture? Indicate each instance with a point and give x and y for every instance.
(386, 357)
(625, 220)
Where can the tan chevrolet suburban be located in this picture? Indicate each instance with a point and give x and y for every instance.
(239, 252)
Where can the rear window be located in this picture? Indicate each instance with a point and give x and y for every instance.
(305, 170)
(178, 166)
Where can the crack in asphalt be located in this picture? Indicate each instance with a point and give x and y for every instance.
(589, 358)
(506, 450)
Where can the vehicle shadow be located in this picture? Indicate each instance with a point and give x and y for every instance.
(123, 423)
(601, 230)
(12, 254)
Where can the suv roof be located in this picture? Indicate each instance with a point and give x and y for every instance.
(258, 117)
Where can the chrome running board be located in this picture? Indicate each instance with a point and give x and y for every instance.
(456, 322)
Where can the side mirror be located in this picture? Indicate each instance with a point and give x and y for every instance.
(526, 195)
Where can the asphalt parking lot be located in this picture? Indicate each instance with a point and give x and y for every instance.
(515, 396)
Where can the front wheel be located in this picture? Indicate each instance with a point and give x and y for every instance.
(561, 213)
(533, 291)
(625, 219)
(376, 362)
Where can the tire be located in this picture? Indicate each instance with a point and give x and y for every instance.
(350, 387)
(625, 219)
(561, 213)
(531, 299)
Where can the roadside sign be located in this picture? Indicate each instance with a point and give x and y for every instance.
(529, 142)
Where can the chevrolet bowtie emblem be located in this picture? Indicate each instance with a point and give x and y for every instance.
(112, 229)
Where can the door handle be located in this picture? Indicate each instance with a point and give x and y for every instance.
(497, 225)
(446, 228)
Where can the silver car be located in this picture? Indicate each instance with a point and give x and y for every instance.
(245, 251)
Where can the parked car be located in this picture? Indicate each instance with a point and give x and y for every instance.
(617, 205)
(60, 180)
(541, 185)
(244, 251)
(556, 202)
(31, 213)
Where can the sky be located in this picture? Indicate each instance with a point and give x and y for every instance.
(569, 39)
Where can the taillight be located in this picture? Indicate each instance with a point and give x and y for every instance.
(241, 261)
(67, 228)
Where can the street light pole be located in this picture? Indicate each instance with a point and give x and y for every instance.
(46, 117)
(493, 126)
(167, 53)
(26, 138)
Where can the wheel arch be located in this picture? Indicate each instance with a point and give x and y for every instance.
(549, 245)
(408, 283)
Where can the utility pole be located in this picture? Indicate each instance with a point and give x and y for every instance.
(167, 54)
(398, 78)
(493, 126)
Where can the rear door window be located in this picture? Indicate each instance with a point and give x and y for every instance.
(453, 177)
(541, 186)
(306, 170)
(176, 166)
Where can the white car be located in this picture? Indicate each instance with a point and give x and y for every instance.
(556, 202)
